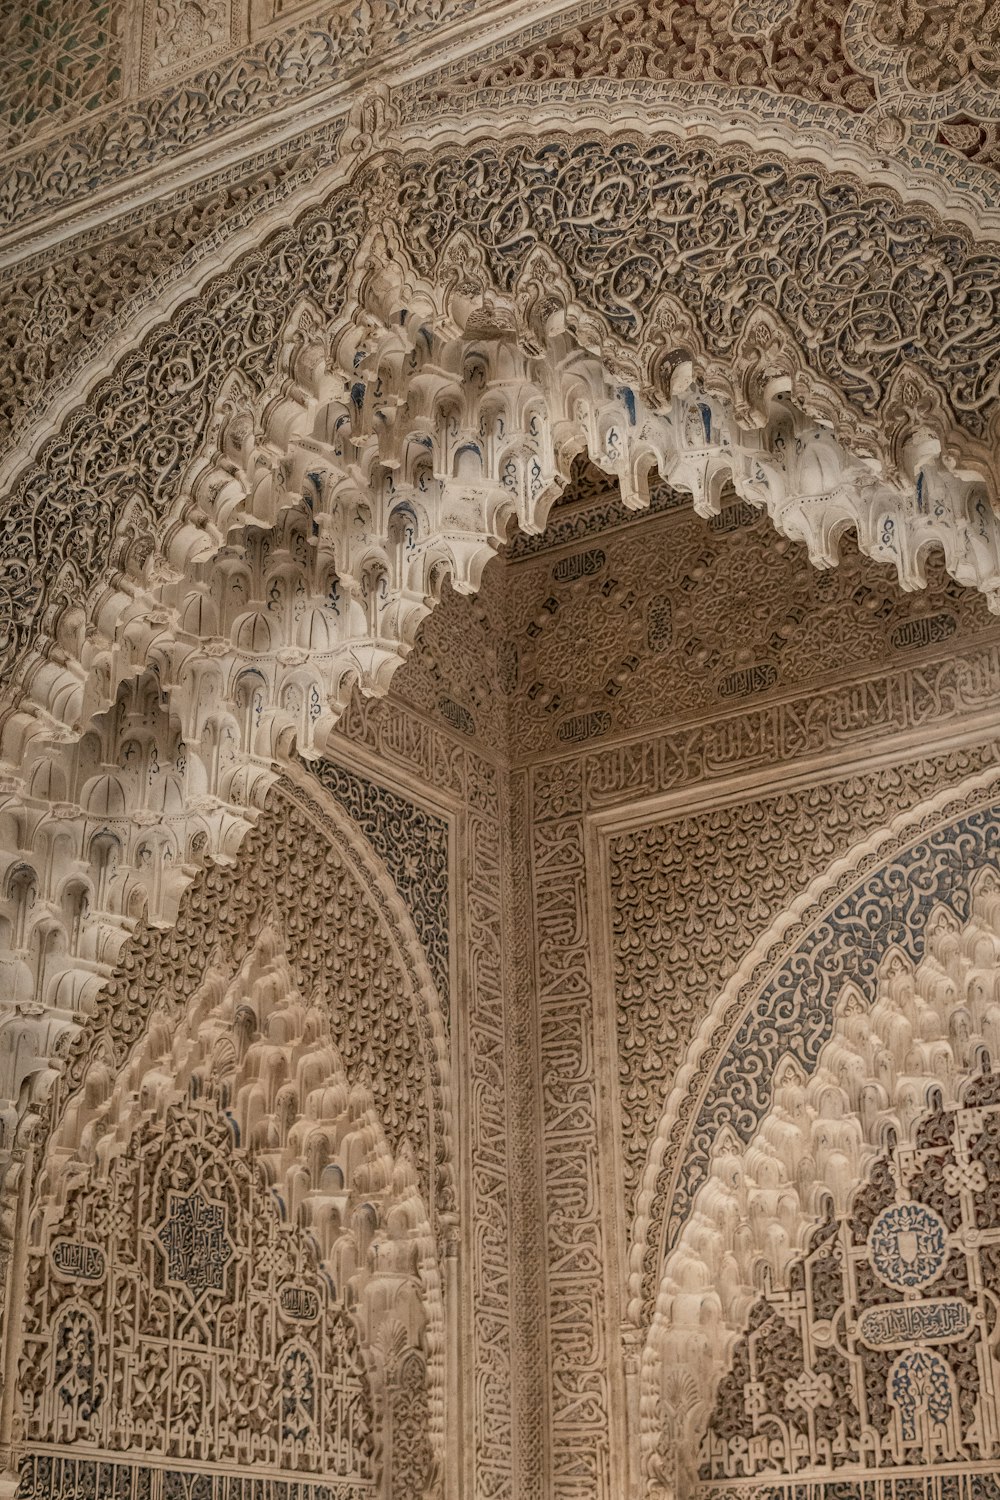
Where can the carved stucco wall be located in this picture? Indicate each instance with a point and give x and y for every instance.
(587, 844)
(116, 87)
(652, 857)
(678, 899)
(363, 926)
(461, 900)
(733, 241)
(856, 1360)
(889, 1030)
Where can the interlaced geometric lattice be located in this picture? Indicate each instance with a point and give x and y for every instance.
(137, 1365)
(56, 56)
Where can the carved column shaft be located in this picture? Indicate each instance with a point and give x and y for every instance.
(14, 1241)
(452, 1313)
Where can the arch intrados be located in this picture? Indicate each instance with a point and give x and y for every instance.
(689, 1392)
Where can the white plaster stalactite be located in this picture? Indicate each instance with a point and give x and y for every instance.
(315, 532)
(309, 539)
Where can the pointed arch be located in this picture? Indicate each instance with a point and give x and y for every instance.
(253, 1062)
(868, 1002)
(874, 1356)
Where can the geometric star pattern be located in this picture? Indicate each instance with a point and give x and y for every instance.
(55, 57)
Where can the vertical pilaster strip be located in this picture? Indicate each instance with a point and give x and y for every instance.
(488, 1114)
(14, 1202)
(530, 1310)
(579, 1426)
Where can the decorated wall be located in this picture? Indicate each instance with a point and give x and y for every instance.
(519, 1031)
(510, 1026)
(878, 1351)
(707, 740)
(240, 1238)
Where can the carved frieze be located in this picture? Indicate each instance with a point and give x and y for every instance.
(722, 43)
(863, 1384)
(173, 1353)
